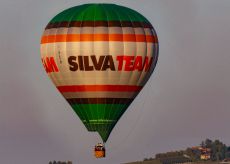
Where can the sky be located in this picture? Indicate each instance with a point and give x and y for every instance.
(186, 100)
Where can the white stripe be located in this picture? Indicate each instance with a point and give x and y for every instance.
(61, 51)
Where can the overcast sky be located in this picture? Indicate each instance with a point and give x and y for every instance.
(185, 101)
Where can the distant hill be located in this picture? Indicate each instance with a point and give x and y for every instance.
(146, 162)
(208, 152)
(158, 162)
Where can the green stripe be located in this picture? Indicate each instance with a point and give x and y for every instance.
(99, 12)
(99, 111)
(100, 117)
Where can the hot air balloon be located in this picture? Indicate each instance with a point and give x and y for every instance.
(99, 57)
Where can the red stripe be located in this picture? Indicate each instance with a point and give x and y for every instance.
(95, 88)
(98, 37)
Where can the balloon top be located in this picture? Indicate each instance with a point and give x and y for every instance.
(99, 12)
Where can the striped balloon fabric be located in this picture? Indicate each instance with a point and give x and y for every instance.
(99, 56)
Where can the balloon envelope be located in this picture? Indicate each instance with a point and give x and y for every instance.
(99, 56)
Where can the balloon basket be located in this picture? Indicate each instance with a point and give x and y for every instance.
(99, 151)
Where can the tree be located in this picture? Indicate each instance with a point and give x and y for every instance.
(208, 143)
(218, 149)
(202, 144)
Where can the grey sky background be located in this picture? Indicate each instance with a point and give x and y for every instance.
(185, 101)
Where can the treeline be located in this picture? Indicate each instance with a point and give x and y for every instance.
(170, 158)
(218, 152)
(170, 154)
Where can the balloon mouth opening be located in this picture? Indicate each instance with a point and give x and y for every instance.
(103, 130)
(103, 134)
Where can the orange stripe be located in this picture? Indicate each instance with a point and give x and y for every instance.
(98, 37)
(96, 88)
